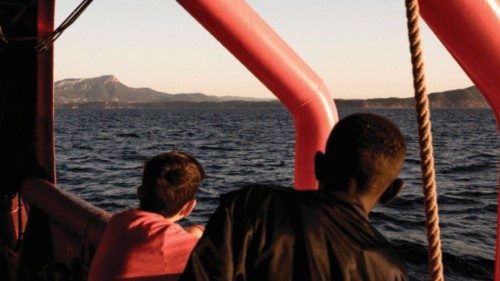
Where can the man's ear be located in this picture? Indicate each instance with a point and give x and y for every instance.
(188, 208)
(319, 166)
(392, 191)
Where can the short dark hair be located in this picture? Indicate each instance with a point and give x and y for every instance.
(169, 181)
(359, 142)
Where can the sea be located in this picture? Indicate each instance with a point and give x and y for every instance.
(100, 155)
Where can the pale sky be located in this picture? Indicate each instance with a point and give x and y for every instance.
(359, 48)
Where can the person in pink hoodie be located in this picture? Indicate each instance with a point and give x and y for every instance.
(147, 243)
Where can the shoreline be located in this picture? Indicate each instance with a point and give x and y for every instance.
(340, 104)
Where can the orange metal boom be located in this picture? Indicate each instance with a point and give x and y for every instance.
(470, 30)
(253, 42)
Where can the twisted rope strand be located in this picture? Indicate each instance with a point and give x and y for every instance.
(425, 140)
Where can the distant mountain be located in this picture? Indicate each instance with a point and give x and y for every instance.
(463, 98)
(108, 89)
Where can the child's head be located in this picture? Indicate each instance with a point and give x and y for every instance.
(169, 183)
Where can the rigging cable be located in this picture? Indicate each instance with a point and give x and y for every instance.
(47, 43)
(425, 140)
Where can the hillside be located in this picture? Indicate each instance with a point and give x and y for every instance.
(108, 89)
(462, 98)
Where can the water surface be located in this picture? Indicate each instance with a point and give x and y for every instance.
(100, 154)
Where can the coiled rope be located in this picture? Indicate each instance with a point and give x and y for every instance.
(425, 140)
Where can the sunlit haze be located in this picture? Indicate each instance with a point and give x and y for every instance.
(359, 48)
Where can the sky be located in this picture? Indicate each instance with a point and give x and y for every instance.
(358, 47)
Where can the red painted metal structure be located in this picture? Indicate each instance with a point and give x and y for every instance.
(269, 58)
(44, 123)
(253, 42)
(468, 29)
(82, 218)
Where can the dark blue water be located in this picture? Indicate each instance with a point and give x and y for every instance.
(100, 153)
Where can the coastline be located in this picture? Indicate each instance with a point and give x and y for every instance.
(389, 103)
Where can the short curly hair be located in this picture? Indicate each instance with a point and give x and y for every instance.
(359, 142)
(169, 181)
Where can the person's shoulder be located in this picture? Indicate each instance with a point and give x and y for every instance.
(120, 216)
(256, 192)
(134, 218)
(384, 262)
(128, 215)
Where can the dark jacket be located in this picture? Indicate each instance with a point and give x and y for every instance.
(269, 233)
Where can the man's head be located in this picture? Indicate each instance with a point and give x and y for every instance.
(169, 183)
(364, 155)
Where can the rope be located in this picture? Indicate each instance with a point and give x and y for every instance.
(47, 43)
(425, 140)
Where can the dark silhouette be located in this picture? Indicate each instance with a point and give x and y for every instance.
(273, 233)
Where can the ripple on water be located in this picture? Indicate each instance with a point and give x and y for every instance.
(100, 154)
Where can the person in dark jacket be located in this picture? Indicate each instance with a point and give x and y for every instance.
(274, 233)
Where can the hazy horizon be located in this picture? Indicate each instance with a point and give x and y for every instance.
(359, 48)
(270, 98)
